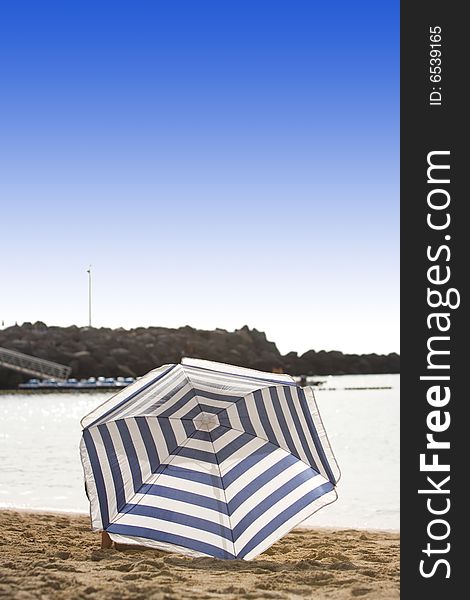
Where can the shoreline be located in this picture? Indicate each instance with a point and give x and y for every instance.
(81, 513)
(56, 555)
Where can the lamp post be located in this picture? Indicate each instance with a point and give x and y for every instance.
(89, 295)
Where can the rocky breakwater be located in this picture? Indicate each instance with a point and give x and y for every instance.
(130, 353)
(120, 352)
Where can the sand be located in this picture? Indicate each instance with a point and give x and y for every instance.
(51, 556)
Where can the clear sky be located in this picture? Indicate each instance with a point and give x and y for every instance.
(219, 163)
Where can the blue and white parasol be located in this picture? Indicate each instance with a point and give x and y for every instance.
(206, 459)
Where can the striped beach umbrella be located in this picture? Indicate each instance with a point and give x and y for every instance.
(206, 459)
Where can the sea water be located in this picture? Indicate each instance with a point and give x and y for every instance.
(40, 464)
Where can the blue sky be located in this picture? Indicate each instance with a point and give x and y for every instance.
(218, 163)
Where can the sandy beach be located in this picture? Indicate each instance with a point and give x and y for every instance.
(52, 556)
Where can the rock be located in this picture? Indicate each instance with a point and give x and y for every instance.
(81, 354)
(93, 352)
(120, 352)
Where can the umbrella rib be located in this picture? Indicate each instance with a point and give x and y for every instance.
(260, 437)
(288, 449)
(225, 494)
(124, 400)
(180, 448)
(325, 440)
(127, 399)
(175, 455)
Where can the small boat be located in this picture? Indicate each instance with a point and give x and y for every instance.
(303, 381)
(92, 383)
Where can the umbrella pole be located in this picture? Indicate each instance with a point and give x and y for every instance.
(106, 541)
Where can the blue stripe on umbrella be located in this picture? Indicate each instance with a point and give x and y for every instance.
(184, 496)
(181, 403)
(170, 538)
(247, 463)
(299, 428)
(233, 447)
(272, 499)
(180, 518)
(244, 416)
(224, 419)
(189, 416)
(201, 435)
(215, 434)
(282, 420)
(197, 455)
(284, 516)
(214, 396)
(149, 443)
(113, 466)
(189, 427)
(131, 454)
(191, 475)
(168, 433)
(98, 477)
(256, 483)
(313, 431)
(215, 410)
(263, 415)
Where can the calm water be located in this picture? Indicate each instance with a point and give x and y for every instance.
(40, 466)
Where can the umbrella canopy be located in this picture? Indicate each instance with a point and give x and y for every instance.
(206, 459)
